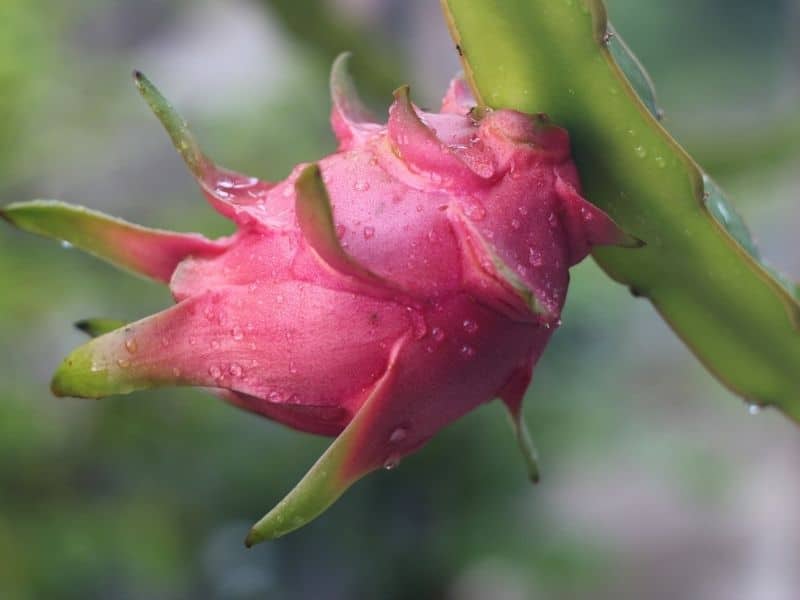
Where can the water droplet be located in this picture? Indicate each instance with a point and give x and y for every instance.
(235, 370)
(131, 345)
(340, 231)
(398, 435)
(123, 363)
(523, 210)
(292, 368)
(641, 151)
(420, 208)
(391, 463)
(476, 212)
(515, 224)
(552, 218)
(571, 91)
(215, 344)
(470, 326)
(438, 334)
(467, 351)
(65, 244)
(287, 192)
(418, 323)
(192, 341)
(215, 372)
(361, 186)
(176, 372)
(275, 396)
(369, 233)
(373, 161)
(237, 333)
(661, 162)
(753, 409)
(164, 341)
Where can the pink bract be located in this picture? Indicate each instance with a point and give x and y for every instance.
(376, 295)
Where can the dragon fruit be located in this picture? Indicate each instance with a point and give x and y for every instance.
(376, 295)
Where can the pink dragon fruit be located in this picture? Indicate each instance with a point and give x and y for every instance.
(377, 295)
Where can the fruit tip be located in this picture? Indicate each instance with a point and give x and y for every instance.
(637, 242)
(309, 174)
(343, 56)
(142, 83)
(56, 389)
(252, 539)
(403, 92)
(629, 241)
(83, 325)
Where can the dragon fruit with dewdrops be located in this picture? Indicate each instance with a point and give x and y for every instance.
(376, 295)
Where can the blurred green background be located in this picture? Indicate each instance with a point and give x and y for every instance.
(657, 482)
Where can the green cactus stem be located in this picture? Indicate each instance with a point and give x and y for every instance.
(699, 268)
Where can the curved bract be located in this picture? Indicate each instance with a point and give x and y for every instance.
(699, 267)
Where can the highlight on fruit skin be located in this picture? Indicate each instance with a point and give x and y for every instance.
(375, 296)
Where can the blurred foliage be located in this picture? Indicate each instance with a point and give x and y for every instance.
(150, 496)
(376, 64)
(26, 53)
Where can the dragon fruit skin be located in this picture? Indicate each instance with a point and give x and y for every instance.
(376, 295)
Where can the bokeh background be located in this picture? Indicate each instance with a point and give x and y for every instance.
(658, 483)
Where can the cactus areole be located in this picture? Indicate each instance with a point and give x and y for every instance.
(376, 295)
